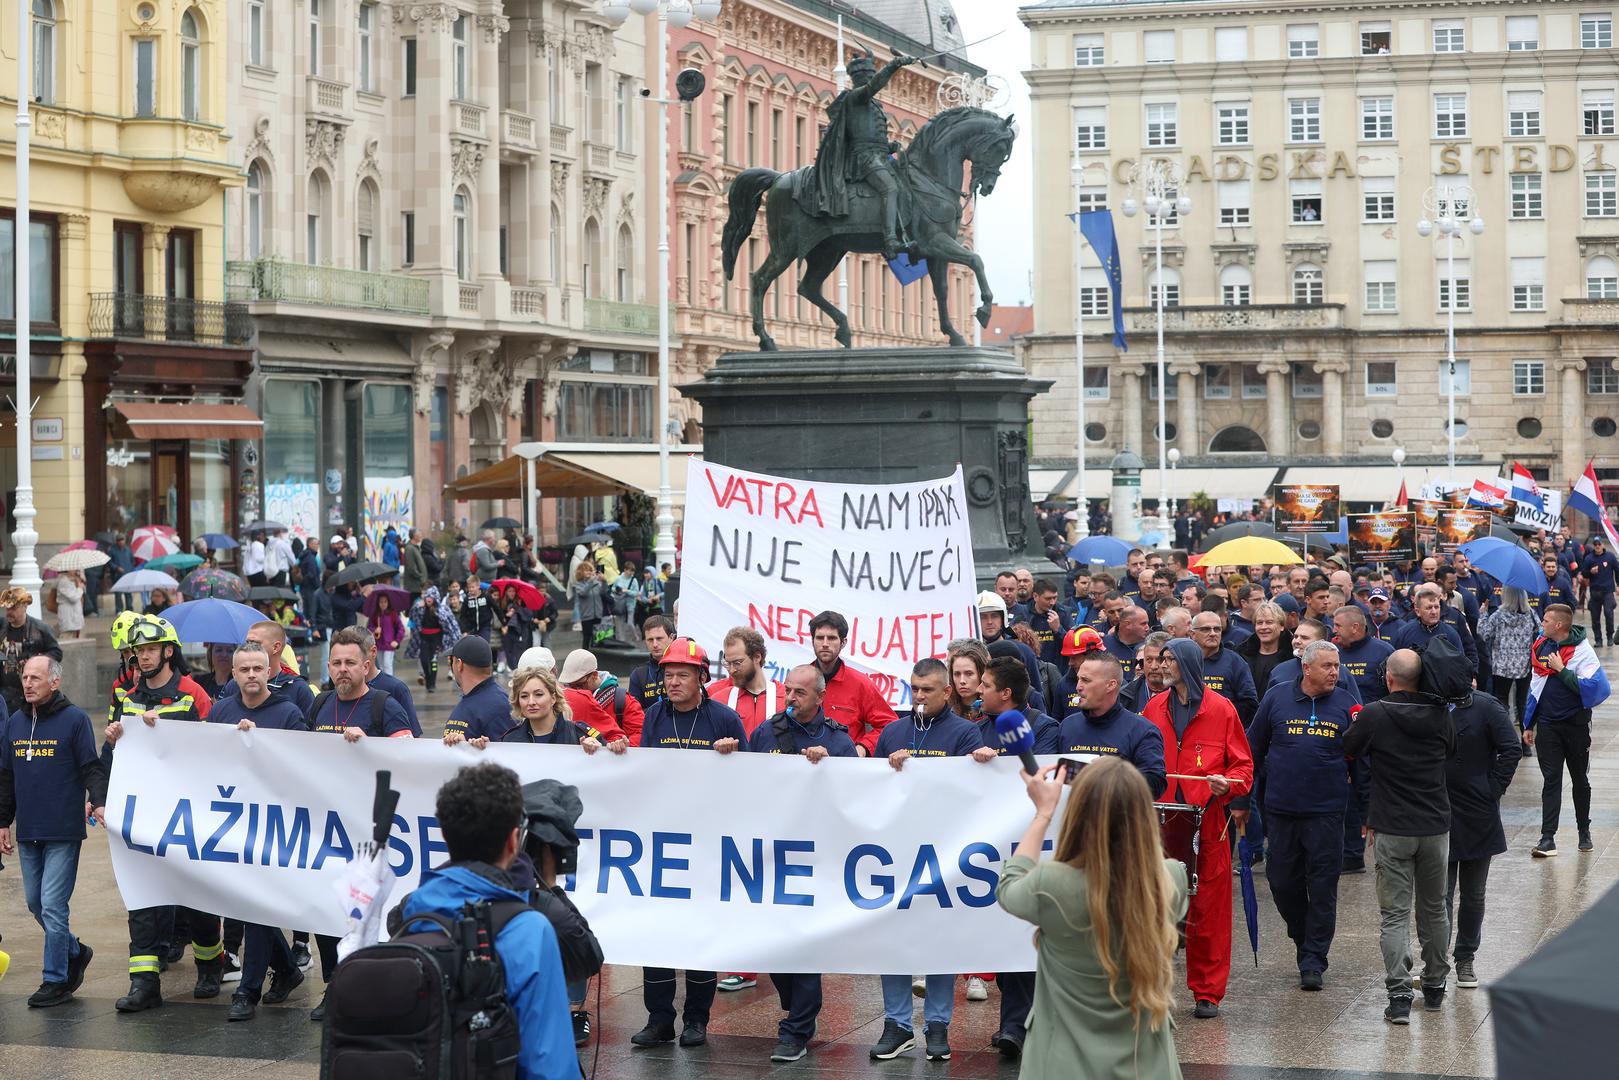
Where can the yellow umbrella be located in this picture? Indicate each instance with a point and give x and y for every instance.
(1251, 551)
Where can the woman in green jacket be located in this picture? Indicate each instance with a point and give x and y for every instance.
(1105, 908)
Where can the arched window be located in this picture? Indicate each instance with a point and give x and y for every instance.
(592, 258)
(367, 206)
(624, 266)
(460, 231)
(256, 191)
(1309, 286)
(190, 67)
(1171, 279)
(1602, 278)
(44, 84)
(1236, 286)
(318, 220)
(558, 276)
(1236, 440)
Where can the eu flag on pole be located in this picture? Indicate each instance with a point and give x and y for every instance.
(1097, 228)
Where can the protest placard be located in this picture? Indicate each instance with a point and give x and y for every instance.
(1307, 508)
(896, 560)
(1388, 536)
(1458, 525)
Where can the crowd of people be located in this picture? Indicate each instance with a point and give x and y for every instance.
(1328, 716)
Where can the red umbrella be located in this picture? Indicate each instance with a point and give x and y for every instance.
(525, 592)
(152, 541)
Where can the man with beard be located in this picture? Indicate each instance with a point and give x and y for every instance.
(161, 692)
(1203, 736)
(850, 699)
(1150, 677)
(747, 689)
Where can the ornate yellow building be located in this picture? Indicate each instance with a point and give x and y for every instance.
(136, 360)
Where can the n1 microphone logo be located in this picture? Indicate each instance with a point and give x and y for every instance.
(1014, 735)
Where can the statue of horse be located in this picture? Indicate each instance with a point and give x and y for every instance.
(934, 168)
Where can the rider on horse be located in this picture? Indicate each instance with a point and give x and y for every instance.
(855, 148)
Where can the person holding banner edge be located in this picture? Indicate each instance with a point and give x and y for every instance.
(850, 699)
(684, 718)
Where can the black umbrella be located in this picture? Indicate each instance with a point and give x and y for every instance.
(363, 571)
(1235, 530)
(104, 538)
(585, 538)
(503, 523)
(1501, 531)
(270, 592)
(266, 526)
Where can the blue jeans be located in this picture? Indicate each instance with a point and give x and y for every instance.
(49, 870)
(577, 992)
(937, 1006)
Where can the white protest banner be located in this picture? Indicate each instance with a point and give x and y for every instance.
(1550, 519)
(895, 560)
(840, 866)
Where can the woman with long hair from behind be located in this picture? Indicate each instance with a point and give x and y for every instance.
(1105, 909)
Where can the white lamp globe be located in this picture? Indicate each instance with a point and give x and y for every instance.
(706, 10)
(678, 13)
(643, 7)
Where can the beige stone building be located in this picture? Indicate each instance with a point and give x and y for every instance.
(1306, 319)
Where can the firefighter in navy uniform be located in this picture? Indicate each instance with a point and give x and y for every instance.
(160, 692)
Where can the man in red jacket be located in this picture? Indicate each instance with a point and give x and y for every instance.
(1203, 736)
(850, 698)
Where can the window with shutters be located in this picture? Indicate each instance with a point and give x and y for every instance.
(1377, 118)
(1309, 285)
(1458, 289)
(1303, 41)
(1376, 39)
(1596, 31)
(1236, 286)
(1601, 278)
(1090, 127)
(1092, 197)
(1597, 109)
(1231, 123)
(1529, 284)
(1159, 46)
(1171, 279)
(1094, 292)
(1526, 197)
(1523, 33)
(1230, 43)
(1381, 292)
(1236, 199)
(1450, 116)
(365, 226)
(1523, 113)
(1377, 199)
(1305, 199)
(1449, 36)
(1162, 125)
(1088, 50)
(1304, 119)
(1601, 195)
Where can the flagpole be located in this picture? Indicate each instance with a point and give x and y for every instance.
(1083, 504)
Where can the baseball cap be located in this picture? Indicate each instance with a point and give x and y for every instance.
(473, 650)
(337, 538)
(1288, 603)
(1599, 539)
(1378, 594)
(991, 601)
(580, 662)
(539, 656)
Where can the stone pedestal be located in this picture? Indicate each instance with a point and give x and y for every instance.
(872, 416)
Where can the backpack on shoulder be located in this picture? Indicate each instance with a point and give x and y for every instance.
(1446, 674)
(430, 1004)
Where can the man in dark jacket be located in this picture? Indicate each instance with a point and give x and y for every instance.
(24, 637)
(1568, 682)
(1224, 672)
(1428, 617)
(1598, 569)
(1408, 736)
(1476, 776)
(1102, 725)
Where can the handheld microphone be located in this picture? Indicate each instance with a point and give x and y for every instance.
(789, 711)
(1017, 737)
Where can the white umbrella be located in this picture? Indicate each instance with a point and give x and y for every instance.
(144, 581)
(77, 559)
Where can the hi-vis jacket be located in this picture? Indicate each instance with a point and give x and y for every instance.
(181, 698)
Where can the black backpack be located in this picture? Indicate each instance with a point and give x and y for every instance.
(430, 1005)
(1446, 672)
(375, 729)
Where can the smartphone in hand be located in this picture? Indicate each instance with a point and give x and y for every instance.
(1070, 768)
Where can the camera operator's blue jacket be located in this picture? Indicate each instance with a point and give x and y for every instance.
(533, 965)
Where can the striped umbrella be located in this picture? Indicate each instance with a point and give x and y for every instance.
(208, 581)
(153, 541)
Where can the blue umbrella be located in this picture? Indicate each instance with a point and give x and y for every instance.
(1100, 551)
(219, 542)
(603, 526)
(213, 620)
(1250, 900)
(1507, 563)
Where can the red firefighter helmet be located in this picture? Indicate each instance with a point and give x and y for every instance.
(1081, 640)
(683, 650)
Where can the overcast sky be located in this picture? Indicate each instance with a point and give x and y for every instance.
(1005, 227)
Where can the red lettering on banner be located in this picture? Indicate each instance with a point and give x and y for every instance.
(907, 637)
(774, 498)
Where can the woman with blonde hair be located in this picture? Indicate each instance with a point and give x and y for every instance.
(543, 716)
(1105, 907)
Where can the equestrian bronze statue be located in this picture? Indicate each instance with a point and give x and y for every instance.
(864, 194)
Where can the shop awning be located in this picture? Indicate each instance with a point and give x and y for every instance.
(1380, 483)
(552, 478)
(634, 466)
(148, 420)
(1237, 482)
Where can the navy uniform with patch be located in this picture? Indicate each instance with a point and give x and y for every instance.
(1121, 733)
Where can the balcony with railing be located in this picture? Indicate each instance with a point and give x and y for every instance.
(1583, 311)
(327, 99)
(617, 317)
(469, 119)
(517, 130)
(598, 157)
(326, 286)
(527, 302)
(559, 141)
(132, 316)
(1215, 318)
(471, 298)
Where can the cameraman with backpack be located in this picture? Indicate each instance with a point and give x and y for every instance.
(485, 822)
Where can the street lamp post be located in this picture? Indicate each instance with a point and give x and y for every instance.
(1398, 455)
(1157, 185)
(1174, 488)
(1439, 206)
(24, 567)
(675, 13)
(1083, 504)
